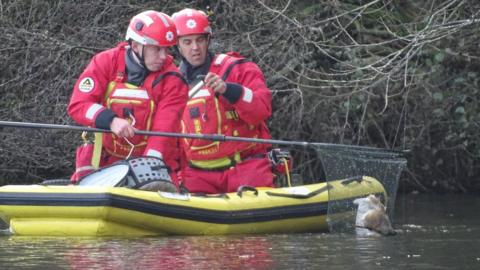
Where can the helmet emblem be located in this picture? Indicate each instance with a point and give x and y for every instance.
(139, 26)
(169, 36)
(191, 23)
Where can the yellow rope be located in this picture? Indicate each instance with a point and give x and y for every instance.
(84, 137)
(287, 172)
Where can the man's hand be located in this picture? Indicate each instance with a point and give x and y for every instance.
(213, 81)
(122, 128)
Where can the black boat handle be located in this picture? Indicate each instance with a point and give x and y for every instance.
(242, 188)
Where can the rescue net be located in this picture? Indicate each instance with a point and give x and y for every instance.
(325, 163)
(351, 164)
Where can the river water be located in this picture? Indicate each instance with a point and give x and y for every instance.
(434, 232)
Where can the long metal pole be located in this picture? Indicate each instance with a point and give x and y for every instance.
(211, 137)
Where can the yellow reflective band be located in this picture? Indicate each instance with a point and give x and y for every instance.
(231, 115)
(217, 163)
(198, 126)
(110, 88)
(122, 101)
(237, 157)
(97, 150)
(212, 164)
(219, 116)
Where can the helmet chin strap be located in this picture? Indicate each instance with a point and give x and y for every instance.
(140, 58)
(209, 38)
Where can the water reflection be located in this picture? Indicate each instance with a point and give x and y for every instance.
(434, 232)
(240, 252)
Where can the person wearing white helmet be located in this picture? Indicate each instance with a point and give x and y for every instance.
(134, 86)
(234, 101)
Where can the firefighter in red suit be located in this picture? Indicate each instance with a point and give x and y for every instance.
(234, 101)
(134, 86)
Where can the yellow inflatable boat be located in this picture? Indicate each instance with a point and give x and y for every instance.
(119, 211)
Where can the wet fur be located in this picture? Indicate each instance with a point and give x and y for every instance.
(159, 186)
(372, 218)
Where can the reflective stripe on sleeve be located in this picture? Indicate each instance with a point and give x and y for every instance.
(92, 111)
(247, 95)
(84, 168)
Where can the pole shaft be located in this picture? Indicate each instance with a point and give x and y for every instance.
(211, 137)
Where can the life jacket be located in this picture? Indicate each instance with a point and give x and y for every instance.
(135, 103)
(208, 113)
(131, 102)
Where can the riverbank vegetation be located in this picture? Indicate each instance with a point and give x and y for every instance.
(400, 75)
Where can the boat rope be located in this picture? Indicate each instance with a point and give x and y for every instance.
(300, 196)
